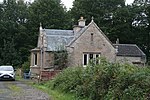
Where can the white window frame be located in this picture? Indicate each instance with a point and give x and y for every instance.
(88, 58)
(35, 59)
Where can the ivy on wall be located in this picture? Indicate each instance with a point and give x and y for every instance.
(60, 59)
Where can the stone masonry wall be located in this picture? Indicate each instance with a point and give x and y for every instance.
(95, 44)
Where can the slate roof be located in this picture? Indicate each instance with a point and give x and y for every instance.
(58, 39)
(129, 50)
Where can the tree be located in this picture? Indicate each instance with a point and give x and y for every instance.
(121, 26)
(147, 39)
(9, 54)
(48, 12)
(141, 25)
(13, 29)
(99, 9)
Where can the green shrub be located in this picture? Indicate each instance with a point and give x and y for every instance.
(131, 84)
(105, 81)
(26, 66)
(68, 79)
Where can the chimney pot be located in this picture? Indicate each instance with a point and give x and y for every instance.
(117, 42)
(81, 22)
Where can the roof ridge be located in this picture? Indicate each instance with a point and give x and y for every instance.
(58, 29)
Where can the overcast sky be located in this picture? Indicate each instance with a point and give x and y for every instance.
(68, 3)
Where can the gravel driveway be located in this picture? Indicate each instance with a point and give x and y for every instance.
(17, 90)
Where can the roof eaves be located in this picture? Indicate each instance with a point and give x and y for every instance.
(36, 49)
(140, 50)
(128, 55)
(126, 44)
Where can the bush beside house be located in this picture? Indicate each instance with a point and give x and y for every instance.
(105, 81)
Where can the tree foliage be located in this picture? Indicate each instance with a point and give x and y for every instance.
(101, 10)
(60, 59)
(9, 32)
(48, 12)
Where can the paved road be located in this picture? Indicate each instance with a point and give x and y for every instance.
(17, 90)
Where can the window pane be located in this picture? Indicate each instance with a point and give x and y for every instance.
(35, 59)
(91, 56)
(85, 59)
(97, 58)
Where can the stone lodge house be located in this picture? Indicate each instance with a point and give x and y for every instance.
(82, 44)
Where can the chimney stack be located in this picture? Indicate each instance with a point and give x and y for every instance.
(81, 24)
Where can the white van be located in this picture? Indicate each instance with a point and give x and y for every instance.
(7, 72)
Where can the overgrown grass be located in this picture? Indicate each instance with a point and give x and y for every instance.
(18, 77)
(55, 94)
